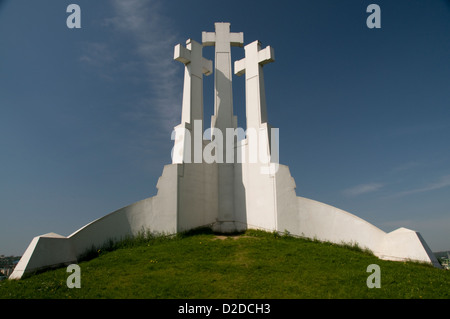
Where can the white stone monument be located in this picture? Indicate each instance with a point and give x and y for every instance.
(223, 117)
(192, 107)
(243, 187)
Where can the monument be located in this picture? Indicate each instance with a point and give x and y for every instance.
(230, 182)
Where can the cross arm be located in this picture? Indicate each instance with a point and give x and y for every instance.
(182, 54)
(190, 55)
(266, 55)
(254, 54)
(206, 66)
(239, 67)
(208, 38)
(237, 39)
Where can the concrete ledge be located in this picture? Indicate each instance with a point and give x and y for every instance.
(404, 244)
(46, 251)
(327, 223)
(162, 214)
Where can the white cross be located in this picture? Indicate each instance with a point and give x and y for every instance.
(255, 96)
(193, 54)
(254, 57)
(223, 117)
(192, 108)
(223, 38)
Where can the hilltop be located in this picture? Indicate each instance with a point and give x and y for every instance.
(254, 264)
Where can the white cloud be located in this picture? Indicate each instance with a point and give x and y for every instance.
(141, 52)
(154, 38)
(99, 56)
(444, 181)
(406, 166)
(363, 189)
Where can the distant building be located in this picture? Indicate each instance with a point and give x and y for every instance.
(7, 266)
(444, 259)
(5, 271)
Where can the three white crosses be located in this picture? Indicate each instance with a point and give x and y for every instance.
(223, 119)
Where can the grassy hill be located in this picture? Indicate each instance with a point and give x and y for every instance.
(255, 264)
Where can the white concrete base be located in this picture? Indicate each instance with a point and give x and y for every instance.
(45, 251)
(194, 204)
(326, 223)
(227, 227)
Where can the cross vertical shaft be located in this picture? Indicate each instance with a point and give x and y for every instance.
(223, 39)
(255, 96)
(223, 117)
(192, 107)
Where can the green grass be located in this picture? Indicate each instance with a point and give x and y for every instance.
(252, 265)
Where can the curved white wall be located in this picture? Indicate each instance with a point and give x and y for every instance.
(328, 223)
(156, 214)
(187, 198)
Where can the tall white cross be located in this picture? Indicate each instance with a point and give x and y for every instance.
(195, 66)
(223, 40)
(255, 96)
(223, 117)
(192, 108)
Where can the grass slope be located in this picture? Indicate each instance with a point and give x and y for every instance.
(252, 265)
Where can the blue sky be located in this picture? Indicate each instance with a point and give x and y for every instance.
(86, 114)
